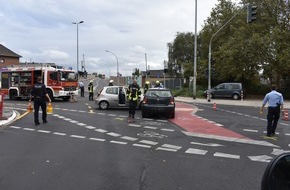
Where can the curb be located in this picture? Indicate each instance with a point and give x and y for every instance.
(9, 120)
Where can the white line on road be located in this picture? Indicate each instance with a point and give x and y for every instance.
(224, 155)
(15, 127)
(101, 130)
(28, 129)
(206, 144)
(73, 121)
(171, 146)
(196, 151)
(77, 136)
(129, 138)
(81, 124)
(166, 149)
(250, 130)
(148, 142)
(113, 134)
(90, 127)
(43, 131)
(142, 145)
(169, 130)
(134, 125)
(57, 133)
(118, 142)
(97, 139)
(150, 127)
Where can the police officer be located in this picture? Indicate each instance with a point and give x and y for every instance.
(39, 93)
(91, 90)
(146, 86)
(275, 102)
(133, 95)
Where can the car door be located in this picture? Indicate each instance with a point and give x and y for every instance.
(112, 96)
(219, 90)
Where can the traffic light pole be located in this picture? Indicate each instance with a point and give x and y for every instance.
(209, 52)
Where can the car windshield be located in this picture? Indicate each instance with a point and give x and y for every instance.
(158, 93)
(67, 76)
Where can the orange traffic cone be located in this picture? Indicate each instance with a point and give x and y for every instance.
(29, 107)
(214, 106)
(285, 113)
(49, 108)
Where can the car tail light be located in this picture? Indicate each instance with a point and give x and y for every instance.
(145, 100)
(171, 101)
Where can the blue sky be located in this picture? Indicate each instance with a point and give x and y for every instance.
(42, 31)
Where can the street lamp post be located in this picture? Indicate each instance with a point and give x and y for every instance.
(117, 64)
(77, 23)
(195, 48)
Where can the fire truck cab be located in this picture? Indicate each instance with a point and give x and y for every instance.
(18, 80)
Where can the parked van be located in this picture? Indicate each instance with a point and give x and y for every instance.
(226, 90)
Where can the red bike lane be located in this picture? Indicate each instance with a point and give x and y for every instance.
(185, 118)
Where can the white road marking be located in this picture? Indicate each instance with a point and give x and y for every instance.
(81, 124)
(118, 142)
(149, 127)
(90, 127)
(142, 145)
(77, 136)
(207, 144)
(28, 129)
(224, 155)
(134, 125)
(97, 139)
(113, 134)
(101, 113)
(287, 134)
(171, 146)
(164, 121)
(57, 133)
(262, 158)
(113, 115)
(277, 152)
(73, 110)
(67, 119)
(169, 130)
(73, 121)
(250, 130)
(148, 142)
(166, 149)
(82, 111)
(129, 138)
(196, 151)
(147, 119)
(15, 127)
(43, 131)
(101, 130)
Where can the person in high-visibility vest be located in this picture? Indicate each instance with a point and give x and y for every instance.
(133, 95)
(91, 90)
(146, 86)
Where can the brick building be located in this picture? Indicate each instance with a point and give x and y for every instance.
(8, 57)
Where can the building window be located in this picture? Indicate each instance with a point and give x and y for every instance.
(2, 61)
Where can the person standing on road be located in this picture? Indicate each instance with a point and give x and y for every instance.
(91, 90)
(146, 86)
(39, 93)
(133, 95)
(82, 87)
(275, 103)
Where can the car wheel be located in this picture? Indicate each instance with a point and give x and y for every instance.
(103, 105)
(236, 96)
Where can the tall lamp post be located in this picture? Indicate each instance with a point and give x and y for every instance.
(195, 44)
(77, 23)
(117, 64)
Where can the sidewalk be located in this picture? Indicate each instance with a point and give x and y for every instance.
(246, 102)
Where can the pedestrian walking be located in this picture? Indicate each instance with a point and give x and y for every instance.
(133, 95)
(275, 104)
(91, 90)
(82, 87)
(39, 95)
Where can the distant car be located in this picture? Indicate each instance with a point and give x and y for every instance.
(158, 101)
(226, 90)
(114, 97)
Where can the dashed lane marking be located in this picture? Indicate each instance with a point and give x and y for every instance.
(142, 145)
(78, 136)
(166, 149)
(148, 142)
(60, 134)
(129, 138)
(113, 134)
(171, 146)
(43, 131)
(28, 129)
(224, 155)
(196, 151)
(97, 139)
(119, 142)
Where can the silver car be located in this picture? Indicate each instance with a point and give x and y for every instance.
(114, 97)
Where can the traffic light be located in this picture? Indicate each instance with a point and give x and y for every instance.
(251, 13)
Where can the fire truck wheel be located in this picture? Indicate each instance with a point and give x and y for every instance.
(12, 94)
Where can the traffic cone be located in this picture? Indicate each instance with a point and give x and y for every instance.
(29, 107)
(214, 106)
(49, 108)
(285, 115)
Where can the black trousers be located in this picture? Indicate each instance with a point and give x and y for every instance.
(37, 104)
(132, 107)
(82, 91)
(272, 119)
(91, 96)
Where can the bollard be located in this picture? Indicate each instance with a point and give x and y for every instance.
(285, 113)
(29, 107)
(214, 106)
(242, 95)
(49, 108)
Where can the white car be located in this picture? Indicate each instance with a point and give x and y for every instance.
(114, 97)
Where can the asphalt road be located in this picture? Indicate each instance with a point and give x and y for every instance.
(82, 147)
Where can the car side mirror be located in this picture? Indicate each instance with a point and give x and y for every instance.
(277, 173)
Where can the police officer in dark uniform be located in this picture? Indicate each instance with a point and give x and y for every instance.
(39, 94)
(133, 94)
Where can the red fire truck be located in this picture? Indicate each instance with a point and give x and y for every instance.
(18, 80)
